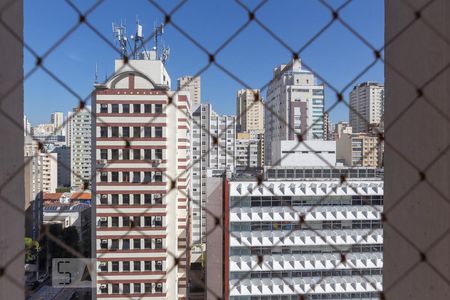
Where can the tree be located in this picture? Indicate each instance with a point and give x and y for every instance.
(31, 250)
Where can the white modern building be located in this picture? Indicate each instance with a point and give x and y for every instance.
(248, 153)
(297, 99)
(193, 86)
(213, 154)
(80, 137)
(303, 232)
(310, 153)
(142, 152)
(366, 106)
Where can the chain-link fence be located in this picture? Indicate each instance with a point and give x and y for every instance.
(336, 98)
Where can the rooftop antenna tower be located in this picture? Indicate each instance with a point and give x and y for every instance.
(96, 74)
(163, 53)
(120, 36)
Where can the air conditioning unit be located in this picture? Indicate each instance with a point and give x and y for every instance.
(158, 263)
(103, 286)
(156, 162)
(158, 218)
(102, 264)
(104, 241)
(159, 285)
(104, 219)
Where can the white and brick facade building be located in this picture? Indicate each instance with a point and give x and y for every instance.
(142, 146)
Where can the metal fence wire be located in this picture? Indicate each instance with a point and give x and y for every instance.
(335, 17)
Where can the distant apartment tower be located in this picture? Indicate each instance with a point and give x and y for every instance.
(193, 86)
(249, 151)
(213, 154)
(366, 106)
(57, 119)
(326, 127)
(249, 111)
(298, 102)
(49, 172)
(302, 234)
(359, 150)
(142, 155)
(26, 126)
(80, 136)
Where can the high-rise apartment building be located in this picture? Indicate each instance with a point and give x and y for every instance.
(366, 106)
(49, 172)
(142, 153)
(57, 119)
(26, 126)
(298, 102)
(303, 233)
(193, 86)
(326, 127)
(359, 150)
(249, 111)
(80, 135)
(213, 154)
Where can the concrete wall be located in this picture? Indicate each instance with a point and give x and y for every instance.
(12, 201)
(417, 157)
(319, 153)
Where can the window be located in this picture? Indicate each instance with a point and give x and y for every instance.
(136, 244)
(158, 243)
(147, 221)
(125, 244)
(115, 154)
(147, 243)
(103, 154)
(136, 108)
(115, 131)
(115, 221)
(158, 177)
(126, 131)
(104, 266)
(114, 176)
(147, 177)
(103, 131)
(157, 199)
(115, 266)
(126, 199)
(126, 288)
(126, 176)
(136, 265)
(115, 288)
(104, 177)
(158, 132)
(148, 108)
(126, 266)
(136, 154)
(137, 287)
(104, 244)
(158, 265)
(158, 154)
(125, 154)
(148, 154)
(104, 199)
(115, 199)
(158, 288)
(147, 287)
(137, 199)
(137, 221)
(136, 131)
(136, 177)
(158, 221)
(147, 199)
(125, 221)
(158, 109)
(147, 132)
(115, 108)
(104, 108)
(126, 108)
(147, 265)
(115, 244)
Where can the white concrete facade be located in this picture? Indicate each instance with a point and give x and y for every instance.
(274, 254)
(142, 152)
(298, 102)
(309, 153)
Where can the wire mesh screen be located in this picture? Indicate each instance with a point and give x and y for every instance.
(145, 225)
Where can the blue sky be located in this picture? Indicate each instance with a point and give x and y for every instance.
(337, 55)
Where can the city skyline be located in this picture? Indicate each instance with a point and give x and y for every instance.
(243, 56)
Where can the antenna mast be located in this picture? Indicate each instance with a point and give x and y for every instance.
(120, 36)
(158, 33)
